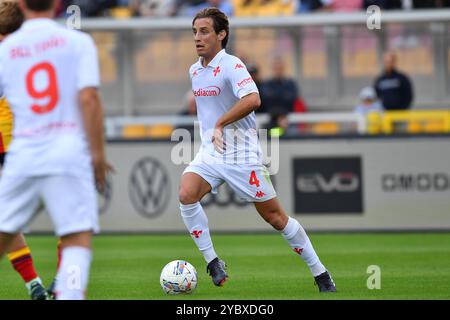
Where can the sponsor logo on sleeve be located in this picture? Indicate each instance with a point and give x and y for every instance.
(245, 82)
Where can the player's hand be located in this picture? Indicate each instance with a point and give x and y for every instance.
(217, 140)
(101, 169)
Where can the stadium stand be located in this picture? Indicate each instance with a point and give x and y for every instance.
(330, 56)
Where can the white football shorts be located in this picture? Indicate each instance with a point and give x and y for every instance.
(70, 201)
(251, 182)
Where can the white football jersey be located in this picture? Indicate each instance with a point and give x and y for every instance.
(43, 66)
(217, 87)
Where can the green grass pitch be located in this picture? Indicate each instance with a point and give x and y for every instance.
(261, 266)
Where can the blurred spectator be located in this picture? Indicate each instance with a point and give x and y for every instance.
(61, 9)
(162, 8)
(310, 5)
(428, 4)
(123, 3)
(223, 5)
(368, 102)
(254, 73)
(300, 105)
(393, 87)
(279, 92)
(264, 7)
(153, 8)
(279, 126)
(330, 5)
(135, 8)
(90, 8)
(342, 5)
(183, 5)
(383, 4)
(407, 4)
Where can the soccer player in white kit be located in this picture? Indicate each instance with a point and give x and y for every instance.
(226, 98)
(50, 76)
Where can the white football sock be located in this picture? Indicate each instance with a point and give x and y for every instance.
(299, 241)
(196, 222)
(73, 274)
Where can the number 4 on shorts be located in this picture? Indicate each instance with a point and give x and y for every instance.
(253, 179)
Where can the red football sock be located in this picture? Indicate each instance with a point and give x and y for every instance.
(22, 262)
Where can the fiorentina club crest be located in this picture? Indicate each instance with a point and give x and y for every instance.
(216, 71)
(196, 233)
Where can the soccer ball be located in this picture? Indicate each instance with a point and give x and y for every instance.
(178, 277)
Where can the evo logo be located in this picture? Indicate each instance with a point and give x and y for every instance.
(328, 185)
(339, 182)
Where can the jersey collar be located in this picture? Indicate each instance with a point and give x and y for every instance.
(37, 22)
(214, 62)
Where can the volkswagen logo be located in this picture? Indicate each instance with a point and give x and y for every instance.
(149, 187)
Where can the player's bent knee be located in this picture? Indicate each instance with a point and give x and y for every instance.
(187, 197)
(79, 239)
(275, 219)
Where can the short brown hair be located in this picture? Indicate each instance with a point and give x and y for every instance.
(11, 17)
(39, 5)
(220, 21)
